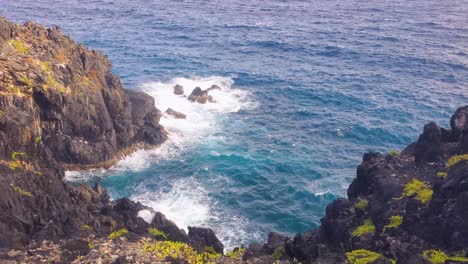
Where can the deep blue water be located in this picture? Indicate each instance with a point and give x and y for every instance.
(323, 82)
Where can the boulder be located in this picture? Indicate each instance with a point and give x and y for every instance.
(200, 96)
(175, 114)
(178, 89)
(200, 238)
(428, 147)
(170, 228)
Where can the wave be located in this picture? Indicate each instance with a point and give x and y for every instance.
(202, 123)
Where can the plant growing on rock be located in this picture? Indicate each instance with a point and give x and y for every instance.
(362, 256)
(236, 253)
(181, 251)
(157, 233)
(394, 222)
(442, 174)
(19, 46)
(421, 190)
(367, 228)
(91, 245)
(456, 159)
(393, 152)
(278, 253)
(22, 191)
(25, 80)
(439, 257)
(86, 227)
(361, 204)
(118, 233)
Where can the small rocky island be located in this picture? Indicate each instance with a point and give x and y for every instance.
(62, 108)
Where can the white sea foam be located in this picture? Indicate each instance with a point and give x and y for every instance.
(202, 123)
(187, 203)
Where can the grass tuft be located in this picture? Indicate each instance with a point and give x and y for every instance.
(362, 256)
(395, 221)
(421, 190)
(157, 233)
(236, 253)
(367, 228)
(118, 233)
(19, 46)
(439, 257)
(361, 204)
(456, 159)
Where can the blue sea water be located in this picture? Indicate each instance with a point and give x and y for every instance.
(308, 87)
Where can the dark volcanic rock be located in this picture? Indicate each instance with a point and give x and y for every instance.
(200, 238)
(175, 114)
(428, 147)
(169, 227)
(178, 89)
(200, 96)
(60, 106)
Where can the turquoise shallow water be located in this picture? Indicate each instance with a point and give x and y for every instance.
(307, 88)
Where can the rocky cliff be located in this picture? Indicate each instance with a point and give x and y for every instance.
(60, 107)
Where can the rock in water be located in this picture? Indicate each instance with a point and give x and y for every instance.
(200, 96)
(175, 114)
(213, 87)
(178, 89)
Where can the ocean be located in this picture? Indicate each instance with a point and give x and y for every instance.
(307, 88)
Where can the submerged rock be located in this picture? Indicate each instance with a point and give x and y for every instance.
(175, 114)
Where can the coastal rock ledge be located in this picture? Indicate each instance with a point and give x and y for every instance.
(61, 108)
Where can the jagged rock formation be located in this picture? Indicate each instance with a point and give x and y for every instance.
(61, 107)
(407, 207)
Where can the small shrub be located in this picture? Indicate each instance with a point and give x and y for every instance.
(85, 81)
(91, 245)
(393, 152)
(118, 233)
(22, 191)
(421, 189)
(362, 256)
(86, 227)
(366, 228)
(395, 222)
(361, 204)
(236, 253)
(456, 159)
(25, 80)
(157, 233)
(442, 174)
(278, 253)
(19, 46)
(15, 165)
(179, 250)
(439, 257)
(15, 154)
(37, 139)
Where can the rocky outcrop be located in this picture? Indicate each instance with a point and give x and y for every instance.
(178, 89)
(175, 114)
(407, 208)
(200, 96)
(61, 107)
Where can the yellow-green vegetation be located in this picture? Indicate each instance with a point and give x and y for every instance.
(361, 204)
(362, 256)
(118, 233)
(85, 81)
(421, 190)
(50, 81)
(91, 245)
(236, 253)
(393, 152)
(157, 233)
(180, 250)
(37, 139)
(456, 159)
(19, 46)
(79, 258)
(442, 174)
(439, 257)
(22, 191)
(86, 227)
(15, 155)
(26, 80)
(278, 253)
(364, 229)
(14, 90)
(15, 165)
(394, 222)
